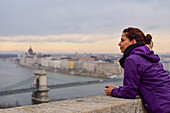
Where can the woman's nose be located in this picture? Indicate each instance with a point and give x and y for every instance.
(119, 43)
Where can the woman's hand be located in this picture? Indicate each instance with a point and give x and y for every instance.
(108, 89)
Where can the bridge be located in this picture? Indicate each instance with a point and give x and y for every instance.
(53, 83)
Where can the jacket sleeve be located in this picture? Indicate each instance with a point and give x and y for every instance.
(130, 88)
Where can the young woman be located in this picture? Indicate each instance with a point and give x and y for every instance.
(143, 73)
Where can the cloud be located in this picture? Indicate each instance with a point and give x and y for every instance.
(152, 27)
(43, 17)
(73, 38)
(80, 21)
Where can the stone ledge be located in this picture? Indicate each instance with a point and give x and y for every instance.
(93, 104)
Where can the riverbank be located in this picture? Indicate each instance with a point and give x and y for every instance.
(71, 72)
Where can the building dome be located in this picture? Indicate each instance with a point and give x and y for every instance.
(30, 51)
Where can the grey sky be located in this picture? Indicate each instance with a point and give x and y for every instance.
(51, 17)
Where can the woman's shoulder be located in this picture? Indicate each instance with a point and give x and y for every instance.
(137, 59)
(134, 57)
(143, 53)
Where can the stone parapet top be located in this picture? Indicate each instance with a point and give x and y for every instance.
(93, 104)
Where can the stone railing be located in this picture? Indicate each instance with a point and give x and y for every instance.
(93, 104)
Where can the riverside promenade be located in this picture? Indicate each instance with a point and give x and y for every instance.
(93, 104)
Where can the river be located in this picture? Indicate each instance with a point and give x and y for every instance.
(11, 74)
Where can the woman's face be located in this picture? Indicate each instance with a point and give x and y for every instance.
(124, 42)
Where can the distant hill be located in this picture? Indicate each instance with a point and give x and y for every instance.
(164, 54)
(11, 52)
(8, 55)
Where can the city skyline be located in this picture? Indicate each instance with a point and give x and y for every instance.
(91, 26)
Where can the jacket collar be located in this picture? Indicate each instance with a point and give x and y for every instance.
(127, 53)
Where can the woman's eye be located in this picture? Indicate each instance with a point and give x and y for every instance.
(122, 40)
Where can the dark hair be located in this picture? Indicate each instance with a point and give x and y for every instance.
(138, 35)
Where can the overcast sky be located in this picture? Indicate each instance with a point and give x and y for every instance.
(80, 23)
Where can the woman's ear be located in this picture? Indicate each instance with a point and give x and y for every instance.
(134, 41)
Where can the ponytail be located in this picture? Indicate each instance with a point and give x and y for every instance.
(148, 40)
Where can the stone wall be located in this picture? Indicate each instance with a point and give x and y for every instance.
(94, 104)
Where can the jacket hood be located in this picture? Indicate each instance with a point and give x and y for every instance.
(145, 52)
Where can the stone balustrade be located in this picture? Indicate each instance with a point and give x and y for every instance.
(93, 104)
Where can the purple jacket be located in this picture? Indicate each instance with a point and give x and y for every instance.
(145, 76)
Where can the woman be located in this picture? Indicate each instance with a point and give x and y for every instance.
(143, 74)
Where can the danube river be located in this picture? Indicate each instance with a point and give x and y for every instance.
(11, 74)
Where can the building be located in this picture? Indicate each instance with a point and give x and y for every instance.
(90, 66)
(104, 68)
(45, 61)
(108, 69)
(71, 65)
(30, 58)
